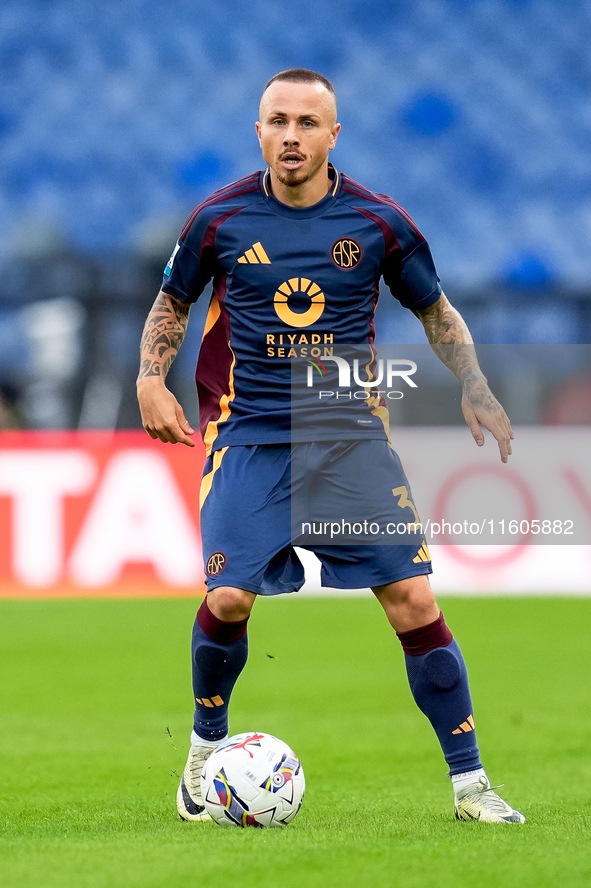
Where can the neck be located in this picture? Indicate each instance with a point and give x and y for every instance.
(305, 195)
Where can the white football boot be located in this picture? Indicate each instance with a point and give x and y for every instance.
(189, 802)
(479, 801)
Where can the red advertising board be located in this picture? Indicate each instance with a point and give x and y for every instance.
(98, 513)
(117, 514)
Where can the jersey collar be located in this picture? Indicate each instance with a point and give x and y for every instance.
(301, 212)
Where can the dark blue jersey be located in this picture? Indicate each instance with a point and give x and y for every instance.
(291, 286)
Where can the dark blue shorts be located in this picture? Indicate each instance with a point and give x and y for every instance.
(349, 502)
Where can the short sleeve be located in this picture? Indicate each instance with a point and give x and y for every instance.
(190, 267)
(408, 268)
(419, 284)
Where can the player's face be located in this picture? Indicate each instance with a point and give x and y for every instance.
(296, 131)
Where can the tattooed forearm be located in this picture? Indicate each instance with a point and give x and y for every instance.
(452, 343)
(451, 340)
(163, 334)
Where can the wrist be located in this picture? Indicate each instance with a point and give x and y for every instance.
(149, 381)
(473, 377)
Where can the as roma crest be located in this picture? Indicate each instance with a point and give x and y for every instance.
(346, 253)
(215, 564)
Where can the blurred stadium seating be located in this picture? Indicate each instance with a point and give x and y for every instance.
(116, 118)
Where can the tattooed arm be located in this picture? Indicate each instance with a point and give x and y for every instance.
(452, 343)
(164, 331)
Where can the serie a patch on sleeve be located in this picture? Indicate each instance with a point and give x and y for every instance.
(169, 264)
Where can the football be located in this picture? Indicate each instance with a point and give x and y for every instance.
(253, 780)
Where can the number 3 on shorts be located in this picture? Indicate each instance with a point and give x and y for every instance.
(404, 502)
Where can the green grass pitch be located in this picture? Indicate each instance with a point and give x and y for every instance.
(95, 716)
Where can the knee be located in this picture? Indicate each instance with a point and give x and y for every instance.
(413, 592)
(230, 604)
(409, 603)
(422, 611)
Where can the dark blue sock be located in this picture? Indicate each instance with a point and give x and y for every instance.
(439, 683)
(219, 651)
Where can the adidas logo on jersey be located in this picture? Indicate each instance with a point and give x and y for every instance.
(255, 256)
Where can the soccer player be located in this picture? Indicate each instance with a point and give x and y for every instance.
(296, 252)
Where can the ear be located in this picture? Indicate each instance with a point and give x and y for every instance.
(257, 126)
(334, 136)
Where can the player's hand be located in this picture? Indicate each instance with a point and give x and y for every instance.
(481, 408)
(162, 415)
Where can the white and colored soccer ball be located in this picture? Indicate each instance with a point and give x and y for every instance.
(253, 780)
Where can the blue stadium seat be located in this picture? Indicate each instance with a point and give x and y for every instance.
(473, 113)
